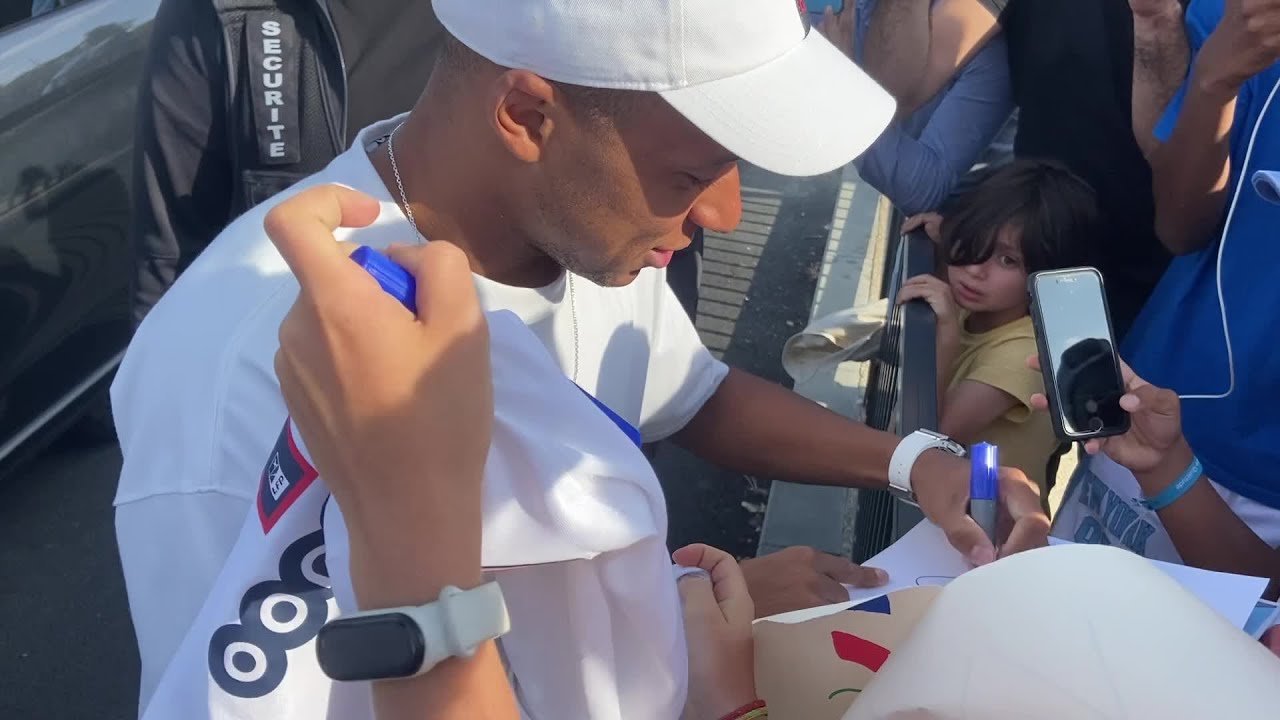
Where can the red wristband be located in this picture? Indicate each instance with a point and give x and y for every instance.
(745, 710)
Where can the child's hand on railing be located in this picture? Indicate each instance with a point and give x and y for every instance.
(938, 294)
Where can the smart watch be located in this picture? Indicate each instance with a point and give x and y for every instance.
(908, 451)
(408, 641)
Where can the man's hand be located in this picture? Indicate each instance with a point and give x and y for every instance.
(717, 623)
(941, 484)
(396, 410)
(1154, 441)
(1246, 42)
(801, 577)
(839, 29)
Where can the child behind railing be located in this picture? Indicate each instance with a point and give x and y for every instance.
(1014, 220)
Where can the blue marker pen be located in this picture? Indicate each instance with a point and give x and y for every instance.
(395, 280)
(984, 487)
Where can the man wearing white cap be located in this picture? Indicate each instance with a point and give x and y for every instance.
(568, 147)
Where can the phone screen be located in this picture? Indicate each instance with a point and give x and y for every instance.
(1083, 369)
(818, 7)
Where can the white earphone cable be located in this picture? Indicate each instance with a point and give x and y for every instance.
(1222, 246)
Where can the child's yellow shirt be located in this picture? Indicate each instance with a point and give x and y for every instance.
(999, 358)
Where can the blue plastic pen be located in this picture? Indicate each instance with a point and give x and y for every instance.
(395, 280)
(984, 488)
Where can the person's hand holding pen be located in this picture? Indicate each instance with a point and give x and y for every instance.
(396, 410)
(943, 482)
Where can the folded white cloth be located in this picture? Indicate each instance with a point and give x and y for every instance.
(848, 335)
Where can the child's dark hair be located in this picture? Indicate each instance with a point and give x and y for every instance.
(1056, 212)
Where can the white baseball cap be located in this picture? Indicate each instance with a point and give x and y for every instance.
(748, 73)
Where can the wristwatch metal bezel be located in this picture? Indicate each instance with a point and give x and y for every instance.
(909, 450)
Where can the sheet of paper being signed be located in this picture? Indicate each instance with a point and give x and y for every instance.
(923, 557)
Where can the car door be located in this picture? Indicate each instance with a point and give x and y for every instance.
(68, 84)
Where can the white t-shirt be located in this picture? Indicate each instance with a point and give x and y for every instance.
(1101, 507)
(198, 409)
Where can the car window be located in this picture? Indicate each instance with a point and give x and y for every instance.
(13, 12)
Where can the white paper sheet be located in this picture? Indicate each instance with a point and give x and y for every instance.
(1233, 596)
(924, 557)
(921, 557)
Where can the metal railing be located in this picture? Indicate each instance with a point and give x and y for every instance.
(902, 389)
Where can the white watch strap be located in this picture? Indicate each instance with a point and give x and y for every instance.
(459, 621)
(909, 450)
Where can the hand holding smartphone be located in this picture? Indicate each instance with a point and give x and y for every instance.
(1077, 354)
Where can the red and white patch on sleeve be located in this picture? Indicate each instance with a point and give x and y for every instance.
(286, 476)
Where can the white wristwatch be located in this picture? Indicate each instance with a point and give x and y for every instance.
(908, 451)
(408, 641)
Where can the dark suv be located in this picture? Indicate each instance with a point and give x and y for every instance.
(69, 72)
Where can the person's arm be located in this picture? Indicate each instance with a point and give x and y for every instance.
(1191, 170)
(1160, 59)
(182, 174)
(397, 412)
(970, 408)
(917, 175)
(474, 688)
(1204, 529)
(896, 50)
(914, 50)
(755, 426)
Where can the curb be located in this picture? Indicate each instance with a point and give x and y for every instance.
(852, 272)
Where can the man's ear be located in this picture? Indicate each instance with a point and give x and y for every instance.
(525, 110)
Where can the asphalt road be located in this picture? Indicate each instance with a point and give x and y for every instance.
(67, 647)
(66, 643)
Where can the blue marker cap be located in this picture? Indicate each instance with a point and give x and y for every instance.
(983, 482)
(395, 280)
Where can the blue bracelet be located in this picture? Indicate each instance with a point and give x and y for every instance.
(1170, 495)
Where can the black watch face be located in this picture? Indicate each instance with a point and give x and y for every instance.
(379, 647)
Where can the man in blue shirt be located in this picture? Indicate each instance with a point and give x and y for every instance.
(1178, 341)
(924, 153)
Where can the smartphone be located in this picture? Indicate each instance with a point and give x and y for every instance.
(818, 7)
(1077, 354)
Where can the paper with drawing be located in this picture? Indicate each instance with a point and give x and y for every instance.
(815, 669)
(924, 557)
(1071, 632)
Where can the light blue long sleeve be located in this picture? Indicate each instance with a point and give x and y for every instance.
(918, 162)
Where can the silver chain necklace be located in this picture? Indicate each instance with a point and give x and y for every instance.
(408, 213)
